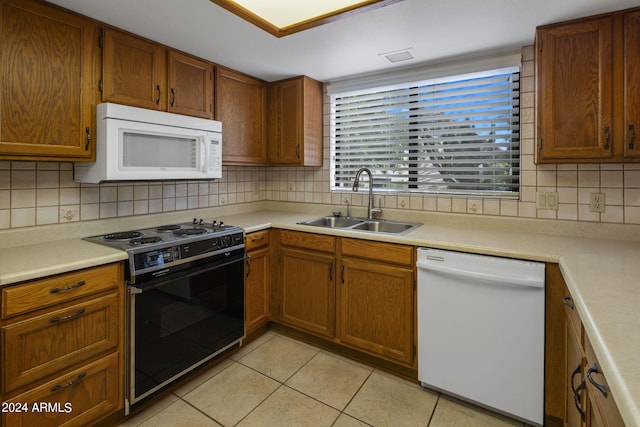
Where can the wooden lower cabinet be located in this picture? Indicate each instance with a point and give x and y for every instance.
(257, 281)
(356, 293)
(61, 348)
(77, 398)
(578, 395)
(308, 290)
(375, 308)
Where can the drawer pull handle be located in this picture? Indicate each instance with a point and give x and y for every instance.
(68, 288)
(607, 136)
(257, 239)
(632, 136)
(69, 384)
(573, 374)
(69, 317)
(592, 370)
(568, 302)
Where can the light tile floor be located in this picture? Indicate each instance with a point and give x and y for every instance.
(276, 381)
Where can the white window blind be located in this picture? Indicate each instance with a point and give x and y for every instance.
(455, 135)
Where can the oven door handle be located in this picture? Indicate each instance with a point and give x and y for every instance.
(134, 290)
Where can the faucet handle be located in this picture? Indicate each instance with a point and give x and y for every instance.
(336, 214)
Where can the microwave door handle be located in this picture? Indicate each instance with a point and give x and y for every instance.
(203, 155)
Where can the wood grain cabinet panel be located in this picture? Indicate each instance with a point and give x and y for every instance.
(307, 288)
(257, 280)
(241, 106)
(190, 86)
(36, 348)
(47, 97)
(58, 289)
(76, 398)
(295, 122)
(588, 89)
(134, 71)
(376, 308)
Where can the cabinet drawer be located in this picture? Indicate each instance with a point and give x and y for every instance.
(256, 240)
(377, 251)
(311, 241)
(600, 395)
(77, 398)
(41, 346)
(58, 289)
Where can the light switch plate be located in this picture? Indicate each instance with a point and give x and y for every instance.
(547, 200)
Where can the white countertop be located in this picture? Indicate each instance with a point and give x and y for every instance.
(603, 275)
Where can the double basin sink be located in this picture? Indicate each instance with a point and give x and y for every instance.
(363, 224)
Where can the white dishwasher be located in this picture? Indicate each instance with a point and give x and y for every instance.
(481, 330)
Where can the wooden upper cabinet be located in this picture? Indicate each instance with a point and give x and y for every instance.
(588, 88)
(575, 90)
(241, 106)
(632, 84)
(134, 71)
(295, 122)
(190, 86)
(47, 91)
(145, 74)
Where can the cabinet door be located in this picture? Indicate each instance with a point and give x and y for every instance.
(241, 106)
(576, 389)
(190, 86)
(46, 64)
(285, 123)
(575, 91)
(257, 289)
(307, 290)
(632, 84)
(134, 71)
(376, 308)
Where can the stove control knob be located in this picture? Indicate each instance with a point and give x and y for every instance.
(195, 221)
(221, 224)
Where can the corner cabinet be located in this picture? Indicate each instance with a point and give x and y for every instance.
(241, 105)
(47, 59)
(295, 122)
(62, 345)
(576, 390)
(588, 89)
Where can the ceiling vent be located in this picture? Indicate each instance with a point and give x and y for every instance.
(399, 55)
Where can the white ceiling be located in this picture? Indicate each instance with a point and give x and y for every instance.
(437, 30)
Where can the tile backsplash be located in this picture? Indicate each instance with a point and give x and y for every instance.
(38, 193)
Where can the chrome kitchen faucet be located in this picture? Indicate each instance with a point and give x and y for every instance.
(356, 182)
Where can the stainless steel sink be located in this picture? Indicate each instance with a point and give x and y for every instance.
(332, 222)
(384, 227)
(363, 224)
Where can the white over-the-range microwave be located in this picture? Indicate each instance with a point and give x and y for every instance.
(140, 144)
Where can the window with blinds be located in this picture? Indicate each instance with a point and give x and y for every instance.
(456, 135)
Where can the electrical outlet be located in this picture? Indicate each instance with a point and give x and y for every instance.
(597, 202)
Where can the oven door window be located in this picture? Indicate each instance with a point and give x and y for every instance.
(183, 321)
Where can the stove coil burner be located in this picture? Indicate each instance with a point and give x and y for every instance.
(190, 231)
(125, 235)
(145, 241)
(170, 227)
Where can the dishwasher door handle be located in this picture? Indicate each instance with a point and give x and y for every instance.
(494, 278)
